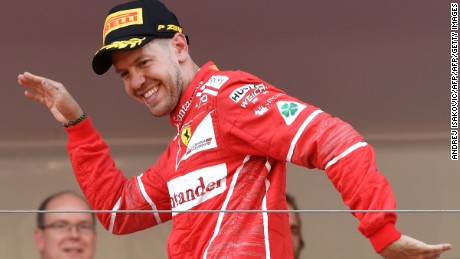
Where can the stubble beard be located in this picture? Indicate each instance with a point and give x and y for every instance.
(175, 92)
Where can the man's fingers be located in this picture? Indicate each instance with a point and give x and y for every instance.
(34, 96)
(408, 247)
(40, 89)
(439, 248)
(38, 84)
(435, 251)
(30, 79)
(50, 86)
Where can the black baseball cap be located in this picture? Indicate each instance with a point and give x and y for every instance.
(130, 26)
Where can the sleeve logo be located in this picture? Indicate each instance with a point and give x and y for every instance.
(289, 110)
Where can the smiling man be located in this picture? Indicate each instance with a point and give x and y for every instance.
(235, 135)
(65, 235)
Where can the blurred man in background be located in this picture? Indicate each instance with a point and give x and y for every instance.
(296, 227)
(65, 235)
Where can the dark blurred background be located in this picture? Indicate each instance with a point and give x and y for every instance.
(382, 66)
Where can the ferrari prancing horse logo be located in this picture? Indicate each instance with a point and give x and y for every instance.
(186, 134)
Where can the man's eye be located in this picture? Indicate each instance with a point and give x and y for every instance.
(144, 62)
(61, 226)
(85, 226)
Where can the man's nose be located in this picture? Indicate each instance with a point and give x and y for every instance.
(137, 80)
(74, 231)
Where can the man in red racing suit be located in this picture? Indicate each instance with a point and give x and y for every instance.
(235, 134)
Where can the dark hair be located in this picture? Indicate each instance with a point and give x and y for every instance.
(44, 205)
(291, 200)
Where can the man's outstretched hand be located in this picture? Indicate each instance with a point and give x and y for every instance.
(409, 248)
(52, 94)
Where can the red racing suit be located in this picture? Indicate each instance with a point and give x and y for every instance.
(235, 134)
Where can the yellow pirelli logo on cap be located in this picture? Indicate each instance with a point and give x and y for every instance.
(122, 19)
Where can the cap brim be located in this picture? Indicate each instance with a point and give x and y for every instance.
(102, 60)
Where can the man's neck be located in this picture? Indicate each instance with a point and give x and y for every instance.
(190, 71)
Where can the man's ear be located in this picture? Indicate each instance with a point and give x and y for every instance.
(179, 42)
(39, 239)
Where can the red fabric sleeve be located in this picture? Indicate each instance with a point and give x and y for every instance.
(106, 188)
(267, 122)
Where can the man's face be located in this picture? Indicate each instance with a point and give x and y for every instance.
(151, 75)
(67, 235)
(295, 232)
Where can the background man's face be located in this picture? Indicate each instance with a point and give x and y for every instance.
(67, 235)
(295, 231)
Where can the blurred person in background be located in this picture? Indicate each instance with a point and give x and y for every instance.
(296, 226)
(65, 235)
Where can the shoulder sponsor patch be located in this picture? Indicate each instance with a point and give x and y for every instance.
(290, 110)
(216, 81)
(240, 92)
(262, 109)
(248, 94)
